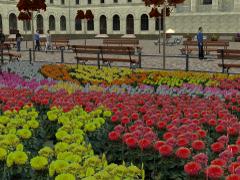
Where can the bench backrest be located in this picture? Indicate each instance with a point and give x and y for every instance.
(5, 47)
(121, 41)
(207, 43)
(228, 54)
(123, 50)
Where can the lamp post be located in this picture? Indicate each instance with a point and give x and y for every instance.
(86, 17)
(27, 8)
(165, 6)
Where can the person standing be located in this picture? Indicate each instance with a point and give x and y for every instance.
(37, 40)
(2, 37)
(48, 41)
(18, 40)
(200, 43)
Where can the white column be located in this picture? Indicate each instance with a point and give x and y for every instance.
(236, 5)
(193, 5)
(214, 5)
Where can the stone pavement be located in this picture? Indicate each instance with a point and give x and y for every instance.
(150, 59)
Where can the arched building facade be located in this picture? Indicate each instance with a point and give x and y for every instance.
(124, 17)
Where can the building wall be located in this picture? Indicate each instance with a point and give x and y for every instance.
(222, 16)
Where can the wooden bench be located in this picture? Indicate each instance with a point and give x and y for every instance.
(122, 42)
(57, 43)
(230, 54)
(106, 54)
(208, 46)
(5, 51)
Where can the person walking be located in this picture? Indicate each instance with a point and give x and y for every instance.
(18, 40)
(2, 37)
(37, 40)
(200, 43)
(48, 41)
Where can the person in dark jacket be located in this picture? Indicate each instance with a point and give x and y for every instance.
(18, 40)
(200, 43)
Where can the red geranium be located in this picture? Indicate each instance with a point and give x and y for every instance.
(234, 149)
(198, 145)
(214, 171)
(114, 118)
(192, 168)
(182, 142)
(183, 153)
(217, 147)
(113, 136)
(158, 144)
(131, 142)
(219, 162)
(144, 143)
(233, 177)
(232, 131)
(220, 128)
(233, 166)
(150, 122)
(167, 135)
(135, 116)
(161, 124)
(165, 150)
(125, 120)
(202, 133)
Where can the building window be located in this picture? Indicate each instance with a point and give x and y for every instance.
(115, 1)
(52, 26)
(0, 21)
(26, 25)
(40, 23)
(116, 23)
(89, 1)
(90, 25)
(62, 2)
(144, 22)
(63, 23)
(207, 2)
(12, 23)
(102, 1)
(157, 24)
(78, 24)
(77, 1)
(129, 1)
(51, 1)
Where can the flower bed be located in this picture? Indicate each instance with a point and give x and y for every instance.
(175, 125)
(119, 76)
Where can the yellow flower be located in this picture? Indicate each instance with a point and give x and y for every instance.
(66, 176)
(39, 163)
(90, 127)
(52, 115)
(19, 147)
(60, 166)
(61, 134)
(16, 157)
(4, 119)
(61, 147)
(11, 140)
(24, 133)
(3, 153)
(46, 152)
(33, 124)
(107, 114)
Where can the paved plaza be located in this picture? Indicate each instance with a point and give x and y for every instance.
(150, 59)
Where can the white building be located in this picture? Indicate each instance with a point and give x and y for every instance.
(124, 17)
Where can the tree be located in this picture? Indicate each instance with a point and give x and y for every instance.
(26, 8)
(166, 6)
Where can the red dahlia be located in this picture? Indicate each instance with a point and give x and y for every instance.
(183, 153)
(202, 133)
(113, 136)
(214, 172)
(232, 131)
(198, 145)
(233, 166)
(158, 144)
(219, 162)
(192, 168)
(144, 143)
(167, 135)
(234, 149)
(182, 142)
(165, 150)
(114, 118)
(131, 142)
(220, 128)
(217, 147)
(233, 177)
